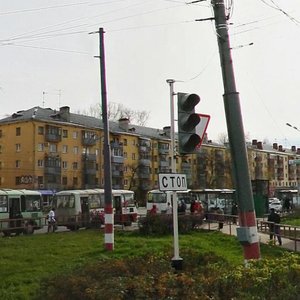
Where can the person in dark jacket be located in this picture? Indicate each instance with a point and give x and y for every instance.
(274, 226)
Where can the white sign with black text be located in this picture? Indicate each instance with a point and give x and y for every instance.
(172, 182)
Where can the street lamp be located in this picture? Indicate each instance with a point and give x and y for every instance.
(296, 162)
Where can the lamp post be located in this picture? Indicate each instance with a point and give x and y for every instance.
(296, 163)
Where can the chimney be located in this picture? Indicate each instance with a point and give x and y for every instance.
(275, 146)
(298, 151)
(167, 131)
(123, 123)
(294, 148)
(64, 113)
(280, 148)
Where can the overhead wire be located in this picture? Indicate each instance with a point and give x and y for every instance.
(40, 8)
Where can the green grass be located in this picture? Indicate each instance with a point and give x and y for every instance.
(26, 260)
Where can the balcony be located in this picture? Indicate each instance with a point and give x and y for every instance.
(145, 162)
(164, 163)
(50, 137)
(117, 173)
(89, 157)
(52, 170)
(117, 159)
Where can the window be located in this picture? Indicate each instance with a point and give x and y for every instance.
(65, 164)
(117, 152)
(65, 149)
(75, 181)
(18, 147)
(40, 163)
(40, 147)
(1, 133)
(65, 133)
(125, 154)
(133, 156)
(18, 163)
(40, 179)
(65, 180)
(75, 165)
(125, 182)
(125, 142)
(53, 148)
(3, 203)
(75, 134)
(0, 148)
(18, 131)
(41, 130)
(75, 150)
(0, 165)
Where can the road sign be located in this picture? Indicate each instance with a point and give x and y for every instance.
(201, 127)
(172, 182)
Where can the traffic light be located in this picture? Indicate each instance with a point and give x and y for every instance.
(188, 139)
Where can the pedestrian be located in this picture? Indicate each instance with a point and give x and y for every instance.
(220, 217)
(274, 219)
(169, 209)
(51, 220)
(234, 212)
(153, 210)
(193, 207)
(181, 207)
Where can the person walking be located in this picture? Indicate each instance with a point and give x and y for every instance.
(274, 219)
(51, 220)
(169, 210)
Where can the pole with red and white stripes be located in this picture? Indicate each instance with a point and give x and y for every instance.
(247, 232)
(108, 208)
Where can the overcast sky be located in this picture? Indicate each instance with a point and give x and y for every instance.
(47, 59)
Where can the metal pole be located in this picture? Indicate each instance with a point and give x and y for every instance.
(247, 219)
(108, 209)
(176, 260)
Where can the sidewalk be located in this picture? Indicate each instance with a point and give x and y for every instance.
(264, 238)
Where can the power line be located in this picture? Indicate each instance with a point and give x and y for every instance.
(41, 8)
(48, 48)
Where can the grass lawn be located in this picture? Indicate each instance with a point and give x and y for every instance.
(26, 260)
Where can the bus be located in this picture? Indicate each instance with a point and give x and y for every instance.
(215, 198)
(288, 197)
(161, 199)
(85, 208)
(20, 211)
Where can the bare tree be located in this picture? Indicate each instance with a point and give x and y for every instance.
(223, 138)
(117, 111)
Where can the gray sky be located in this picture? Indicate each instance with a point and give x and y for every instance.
(47, 59)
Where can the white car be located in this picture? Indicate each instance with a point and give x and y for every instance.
(276, 204)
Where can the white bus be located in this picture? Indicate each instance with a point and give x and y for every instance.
(20, 211)
(161, 199)
(85, 208)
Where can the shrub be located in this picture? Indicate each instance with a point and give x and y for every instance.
(204, 276)
(163, 223)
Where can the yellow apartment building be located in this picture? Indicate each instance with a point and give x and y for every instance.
(51, 150)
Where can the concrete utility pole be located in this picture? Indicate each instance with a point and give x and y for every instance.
(108, 210)
(247, 232)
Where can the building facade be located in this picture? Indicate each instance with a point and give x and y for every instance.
(45, 149)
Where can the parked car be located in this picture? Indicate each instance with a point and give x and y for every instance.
(276, 204)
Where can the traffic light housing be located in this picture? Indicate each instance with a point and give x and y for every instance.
(188, 139)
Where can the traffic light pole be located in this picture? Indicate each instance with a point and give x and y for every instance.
(176, 260)
(247, 233)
